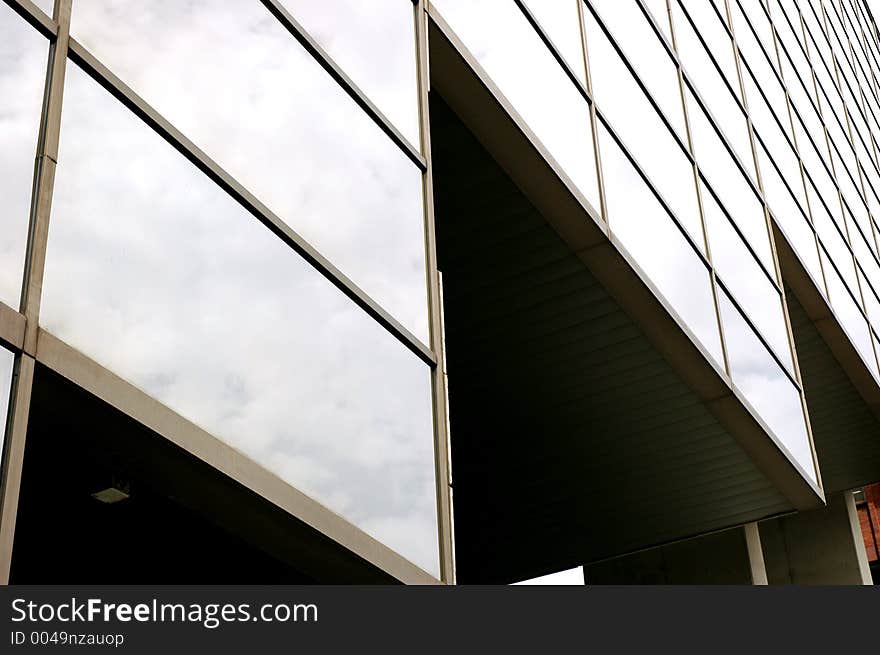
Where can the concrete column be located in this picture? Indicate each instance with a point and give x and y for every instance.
(756, 554)
(823, 546)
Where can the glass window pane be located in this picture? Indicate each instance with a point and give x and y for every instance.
(746, 280)
(727, 180)
(23, 56)
(512, 53)
(660, 12)
(658, 246)
(835, 244)
(305, 148)
(755, 37)
(373, 42)
(769, 131)
(790, 217)
(157, 274)
(560, 21)
(46, 5)
(788, 214)
(7, 360)
(718, 96)
(820, 187)
(628, 111)
(849, 315)
(772, 394)
(711, 28)
(867, 261)
(647, 55)
(872, 303)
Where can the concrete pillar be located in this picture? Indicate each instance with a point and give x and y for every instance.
(756, 554)
(823, 546)
(728, 557)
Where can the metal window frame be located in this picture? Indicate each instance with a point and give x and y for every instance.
(825, 159)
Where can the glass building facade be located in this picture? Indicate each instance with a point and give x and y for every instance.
(290, 318)
(236, 216)
(708, 120)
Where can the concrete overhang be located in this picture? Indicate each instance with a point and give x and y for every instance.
(586, 420)
(843, 398)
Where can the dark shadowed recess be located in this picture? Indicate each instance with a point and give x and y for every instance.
(184, 522)
(573, 439)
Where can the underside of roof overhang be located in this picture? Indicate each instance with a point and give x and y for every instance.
(586, 422)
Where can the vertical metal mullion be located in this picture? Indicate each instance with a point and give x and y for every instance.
(766, 206)
(697, 187)
(822, 119)
(47, 160)
(790, 109)
(13, 456)
(814, 84)
(769, 221)
(594, 121)
(442, 454)
(35, 259)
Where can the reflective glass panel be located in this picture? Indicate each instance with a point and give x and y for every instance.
(660, 13)
(627, 109)
(646, 53)
(513, 55)
(746, 280)
(872, 303)
(658, 246)
(560, 21)
(757, 375)
(231, 78)
(160, 276)
(373, 42)
(789, 216)
(755, 35)
(848, 314)
(728, 182)
(23, 56)
(718, 96)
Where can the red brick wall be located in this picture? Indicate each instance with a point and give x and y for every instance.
(869, 518)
